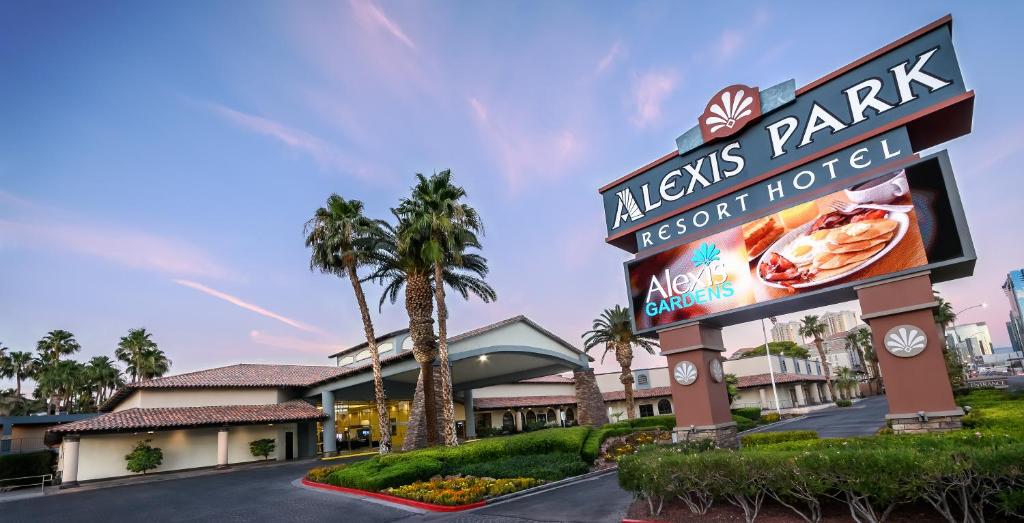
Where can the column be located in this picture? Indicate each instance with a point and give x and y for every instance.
(222, 448)
(558, 417)
(467, 404)
(329, 436)
(828, 394)
(801, 400)
(699, 400)
(764, 399)
(590, 406)
(518, 415)
(815, 393)
(69, 472)
(909, 346)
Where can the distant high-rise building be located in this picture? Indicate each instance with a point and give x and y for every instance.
(787, 331)
(837, 322)
(1014, 289)
(971, 339)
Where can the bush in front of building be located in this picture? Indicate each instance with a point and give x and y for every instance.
(320, 474)
(27, 464)
(771, 438)
(395, 469)
(667, 422)
(144, 457)
(262, 447)
(751, 413)
(771, 417)
(550, 467)
(454, 491)
(843, 403)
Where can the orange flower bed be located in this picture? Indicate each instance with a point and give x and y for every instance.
(460, 490)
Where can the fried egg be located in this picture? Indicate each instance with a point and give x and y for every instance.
(804, 249)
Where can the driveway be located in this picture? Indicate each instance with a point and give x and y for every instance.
(268, 494)
(863, 418)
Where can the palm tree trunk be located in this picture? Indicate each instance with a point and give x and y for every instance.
(624, 355)
(825, 365)
(378, 380)
(419, 305)
(447, 402)
(17, 386)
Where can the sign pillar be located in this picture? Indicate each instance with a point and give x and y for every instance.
(700, 399)
(909, 347)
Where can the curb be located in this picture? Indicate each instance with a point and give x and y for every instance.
(395, 499)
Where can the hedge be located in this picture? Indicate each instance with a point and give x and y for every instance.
(771, 438)
(752, 413)
(549, 467)
(400, 468)
(28, 464)
(959, 484)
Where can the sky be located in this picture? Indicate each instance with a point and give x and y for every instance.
(158, 159)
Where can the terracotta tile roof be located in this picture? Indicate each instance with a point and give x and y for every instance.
(180, 417)
(548, 379)
(653, 392)
(758, 380)
(522, 401)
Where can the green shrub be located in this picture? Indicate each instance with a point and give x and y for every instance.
(373, 475)
(549, 467)
(771, 417)
(28, 464)
(262, 447)
(320, 474)
(752, 413)
(743, 424)
(592, 446)
(770, 438)
(144, 457)
(843, 403)
(667, 422)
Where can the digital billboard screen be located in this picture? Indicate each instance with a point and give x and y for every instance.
(902, 221)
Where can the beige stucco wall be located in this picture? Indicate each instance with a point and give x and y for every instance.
(102, 455)
(25, 438)
(609, 381)
(518, 333)
(155, 398)
(518, 390)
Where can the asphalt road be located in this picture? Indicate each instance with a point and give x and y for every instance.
(863, 418)
(269, 494)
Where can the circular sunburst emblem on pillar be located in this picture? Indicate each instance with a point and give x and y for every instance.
(715, 369)
(905, 341)
(685, 373)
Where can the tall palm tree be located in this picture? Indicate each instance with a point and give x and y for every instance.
(131, 349)
(845, 379)
(22, 366)
(342, 239)
(812, 327)
(870, 357)
(150, 363)
(103, 378)
(853, 345)
(55, 344)
(944, 314)
(400, 266)
(442, 227)
(613, 329)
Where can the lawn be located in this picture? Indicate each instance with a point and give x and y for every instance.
(972, 474)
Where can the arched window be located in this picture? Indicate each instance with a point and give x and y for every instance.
(407, 343)
(384, 347)
(664, 406)
(531, 416)
(363, 355)
(345, 361)
(508, 421)
(552, 418)
(570, 416)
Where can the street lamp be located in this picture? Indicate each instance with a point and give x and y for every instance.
(965, 309)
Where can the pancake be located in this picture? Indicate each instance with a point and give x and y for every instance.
(862, 231)
(840, 260)
(840, 248)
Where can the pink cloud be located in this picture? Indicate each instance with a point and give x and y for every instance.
(372, 17)
(524, 150)
(648, 93)
(38, 226)
(729, 43)
(234, 300)
(610, 57)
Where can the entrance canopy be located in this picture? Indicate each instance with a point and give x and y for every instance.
(504, 352)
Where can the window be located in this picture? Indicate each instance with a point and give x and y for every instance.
(407, 343)
(796, 365)
(641, 379)
(531, 416)
(344, 361)
(363, 355)
(570, 416)
(542, 418)
(508, 422)
(664, 406)
(646, 410)
(384, 347)
(782, 364)
(552, 418)
(483, 420)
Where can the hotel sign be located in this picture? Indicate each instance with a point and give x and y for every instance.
(782, 199)
(912, 89)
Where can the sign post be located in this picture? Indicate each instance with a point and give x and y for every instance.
(784, 199)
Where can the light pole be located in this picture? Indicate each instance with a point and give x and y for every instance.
(771, 372)
(965, 309)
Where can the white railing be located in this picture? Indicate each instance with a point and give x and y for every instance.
(7, 484)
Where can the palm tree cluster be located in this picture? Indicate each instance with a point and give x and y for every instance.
(812, 327)
(429, 247)
(613, 330)
(66, 385)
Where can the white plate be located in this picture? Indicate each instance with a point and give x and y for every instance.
(901, 219)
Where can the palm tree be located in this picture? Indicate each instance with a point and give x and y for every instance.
(853, 345)
(845, 379)
(21, 367)
(342, 239)
(399, 266)
(55, 344)
(613, 329)
(131, 349)
(150, 363)
(442, 228)
(812, 327)
(943, 314)
(103, 377)
(870, 357)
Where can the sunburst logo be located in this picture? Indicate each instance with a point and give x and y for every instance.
(729, 111)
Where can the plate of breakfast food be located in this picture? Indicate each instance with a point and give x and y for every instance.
(831, 247)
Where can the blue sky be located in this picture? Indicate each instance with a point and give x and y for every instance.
(158, 160)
